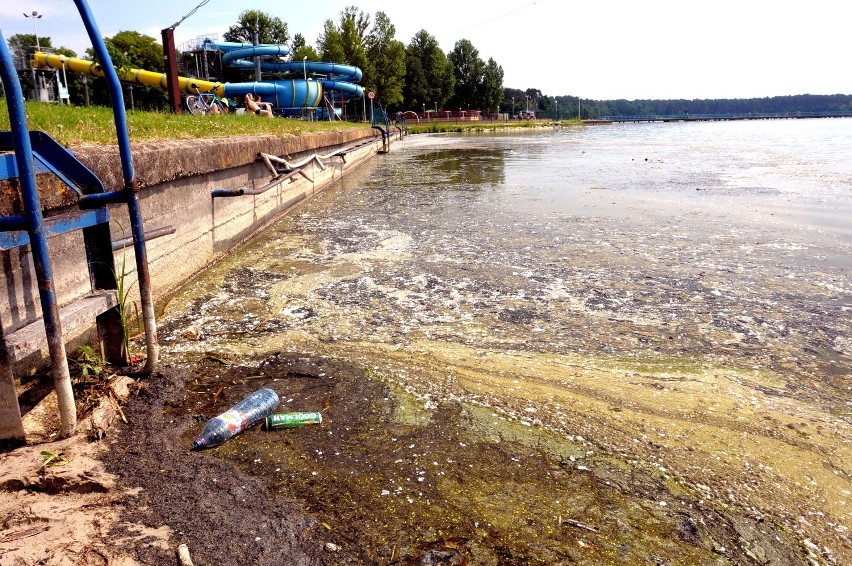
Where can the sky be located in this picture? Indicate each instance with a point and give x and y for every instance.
(595, 49)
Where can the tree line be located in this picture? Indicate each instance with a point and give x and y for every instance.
(802, 103)
(417, 76)
(404, 77)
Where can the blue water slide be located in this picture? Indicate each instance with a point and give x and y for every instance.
(288, 97)
(295, 93)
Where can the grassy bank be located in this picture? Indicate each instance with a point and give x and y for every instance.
(483, 126)
(72, 125)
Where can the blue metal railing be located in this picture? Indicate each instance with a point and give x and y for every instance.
(130, 186)
(381, 122)
(32, 220)
(92, 197)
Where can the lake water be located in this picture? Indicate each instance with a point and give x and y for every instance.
(673, 296)
(736, 235)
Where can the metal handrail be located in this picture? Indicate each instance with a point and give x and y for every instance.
(130, 187)
(32, 220)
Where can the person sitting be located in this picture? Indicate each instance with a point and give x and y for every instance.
(253, 107)
(267, 105)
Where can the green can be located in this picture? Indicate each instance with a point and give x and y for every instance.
(290, 420)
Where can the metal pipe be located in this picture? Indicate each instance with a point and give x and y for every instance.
(99, 200)
(149, 235)
(13, 223)
(254, 192)
(144, 279)
(269, 164)
(301, 163)
(38, 244)
(130, 186)
(384, 138)
(227, 193)
(115, 90)
(277, 181)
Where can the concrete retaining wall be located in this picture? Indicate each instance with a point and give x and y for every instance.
(176, 180)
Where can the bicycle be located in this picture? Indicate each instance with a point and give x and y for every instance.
(204, 103)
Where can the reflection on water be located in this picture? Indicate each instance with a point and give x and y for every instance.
(463, 167)
(665, 293)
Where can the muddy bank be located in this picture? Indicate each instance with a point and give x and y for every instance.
(635, 374)
(594, 374)
(393, 478)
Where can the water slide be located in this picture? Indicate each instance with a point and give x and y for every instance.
(335, 77)
(289, 97)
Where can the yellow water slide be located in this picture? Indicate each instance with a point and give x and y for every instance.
(139, 76)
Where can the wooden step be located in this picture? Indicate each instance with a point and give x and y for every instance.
(32, 337)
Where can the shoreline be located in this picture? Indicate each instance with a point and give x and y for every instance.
(714, 412)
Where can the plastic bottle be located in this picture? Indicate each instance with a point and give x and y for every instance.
(290, 420)
(250, 410)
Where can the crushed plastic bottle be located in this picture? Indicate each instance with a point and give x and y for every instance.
(247, 412)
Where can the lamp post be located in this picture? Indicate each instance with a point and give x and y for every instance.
(528, 105)
(35, 16)
(578, 109)
(557, 109)
(305, 73)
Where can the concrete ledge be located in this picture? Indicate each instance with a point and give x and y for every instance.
(176, 180)
(160, 162)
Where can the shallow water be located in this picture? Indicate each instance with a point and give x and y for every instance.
(665, 292)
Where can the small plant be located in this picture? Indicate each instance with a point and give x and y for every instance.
(123, 290)
(89, 363)
(51, 459)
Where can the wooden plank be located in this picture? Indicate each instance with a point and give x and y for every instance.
(83, 311)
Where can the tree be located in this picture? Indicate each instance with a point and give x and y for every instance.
(491, 92)
(468, 69)
(513, 100)
(131, 50)
(353, 25)
(330, 44)
(270, 29)
(346, 43)
(141, 51)
(429, 75)
(27, 41)
(388, 59)
(299, 49)
(534, 95)
(359, 19)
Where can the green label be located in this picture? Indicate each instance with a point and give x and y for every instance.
(291, 420)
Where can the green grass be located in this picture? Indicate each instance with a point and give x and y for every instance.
(74, 125)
